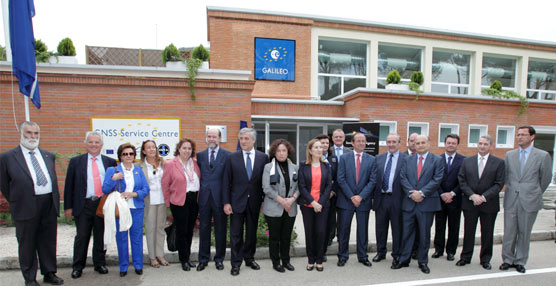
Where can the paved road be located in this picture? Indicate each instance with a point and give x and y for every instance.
(542, 259)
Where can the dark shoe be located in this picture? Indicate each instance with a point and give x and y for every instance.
(395, 261)
(486, 265)
(32, 283)
(366, 262)
(424, 268)
(76, 274)
(123, 274)
(450, 257)
(520, 268)
(253, 264)
(310, 267)
(437, 254)
(101, 269)
(505, 266)
(51, 278)
(279, 268)
(379, 257)
(324, 259)
(139, 271)
(191, 264)
(462, 262)
(202, 266)
(341, 262)
(414, 255)
(219, 265)
(235, 271)
(288, 266)
(320, 268)
(399, 265)
(185, 266)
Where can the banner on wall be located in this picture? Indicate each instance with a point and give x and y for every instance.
(118, 130)
(274, 59)
(371, 132)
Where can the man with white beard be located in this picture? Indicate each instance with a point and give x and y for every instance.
(28, 181)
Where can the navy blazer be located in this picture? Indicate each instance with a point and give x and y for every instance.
(397, 193)
(347, 181)
(429, 183)
(450, 181)
(237, 188)
(141, 186)
(211, 178)
(305, 182)
(75, 188)
(333, 162)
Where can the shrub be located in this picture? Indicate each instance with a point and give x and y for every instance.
(200, 53)
(2, 53)
(417, 77)
(171, 54)
(393, 77)
(41, 52)
(66, 48)
(40, 47)
(496, 85)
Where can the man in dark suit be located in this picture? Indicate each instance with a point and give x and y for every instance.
(481, 179)
(450, 195)
(211, 161)
(356, 177)
(387, 198)
(420, 179)
(242, 195)
(336, 151)
(82, 192)
(411, 151)
(29, 184)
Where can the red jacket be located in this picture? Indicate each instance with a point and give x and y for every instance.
(174, 182)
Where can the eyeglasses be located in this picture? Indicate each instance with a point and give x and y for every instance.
(128, 154)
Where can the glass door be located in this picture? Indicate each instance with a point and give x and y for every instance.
(305, 133)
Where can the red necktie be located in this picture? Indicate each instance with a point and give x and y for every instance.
(357, 167)
(419, 167)
(96, 178)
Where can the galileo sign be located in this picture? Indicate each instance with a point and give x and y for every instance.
(274, 59)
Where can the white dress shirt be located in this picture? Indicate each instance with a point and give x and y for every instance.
(155, 194)
(251, 156)
(129, 185)
(39, 190)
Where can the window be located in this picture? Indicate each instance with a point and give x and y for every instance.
(501, 69)
(475, 132)
(405, 60)
(386, 127)
(505, 136)
(540, 80)
(421, 128)
(444, 129)
(450, 72)
(342, 67)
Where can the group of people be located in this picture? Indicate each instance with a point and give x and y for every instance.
(407, 191)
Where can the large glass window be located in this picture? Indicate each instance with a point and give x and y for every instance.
(540, 80)
(475, 132)
(342, 67)
(501, 69)
(444, 129)
(450, 72)
(405, 60)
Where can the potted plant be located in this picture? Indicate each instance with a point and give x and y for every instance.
(2, 53)
(417, 80)
(172, 57)
(202, 54)
(42, 54)
(393, 81)
(65, 53)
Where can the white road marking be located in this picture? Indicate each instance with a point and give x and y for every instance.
(467, 278)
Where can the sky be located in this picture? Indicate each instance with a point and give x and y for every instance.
(151, 24)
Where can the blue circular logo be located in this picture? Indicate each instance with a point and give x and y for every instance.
(163, 150)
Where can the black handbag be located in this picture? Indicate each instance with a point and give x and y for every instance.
(171, 237)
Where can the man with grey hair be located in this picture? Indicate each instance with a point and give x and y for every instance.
(82, 192)
(28, 181)
(242, 195)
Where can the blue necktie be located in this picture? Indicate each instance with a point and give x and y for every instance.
(386, 177)
(41, 178)
(248, 166)
(449, 164)
(338, 153)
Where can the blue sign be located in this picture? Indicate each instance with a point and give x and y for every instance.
(274, 59)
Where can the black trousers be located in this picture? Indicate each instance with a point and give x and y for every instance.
(241, 250)
(37, 237)
(86, 222)
(388, 213)
(279, 237)
(184, 218)
(206, 213)
(331, 226)
(450, 213)
(487, 233)
(315, 229)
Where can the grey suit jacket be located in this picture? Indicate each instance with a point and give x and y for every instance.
(528, 187)
(271, 207)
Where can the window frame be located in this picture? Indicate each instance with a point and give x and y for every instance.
(444, 125)
(423, 125)
(393, 128)
(483, 131)
(510, 137)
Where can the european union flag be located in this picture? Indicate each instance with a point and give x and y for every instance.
(22, 42)
(242, 124)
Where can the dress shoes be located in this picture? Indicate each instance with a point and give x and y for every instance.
(366, 262)
(185, 266)
(32, 283)
(437, 254)
(486, 265)
(191, 264)
(399, 265)
(424, 268)
(320, 268)
(288, 266)
(505, 266)
(76, 274)
(51, 278)
(235, 271)
(341, 263)
(219, 265)
(395, 261)
(450, 257)
(123, 273)
(101, 269)
(253, 264)
(279, 268)
(202, 266)
(379, 257)
(139, 271)
(462, 262)
(520, 268)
